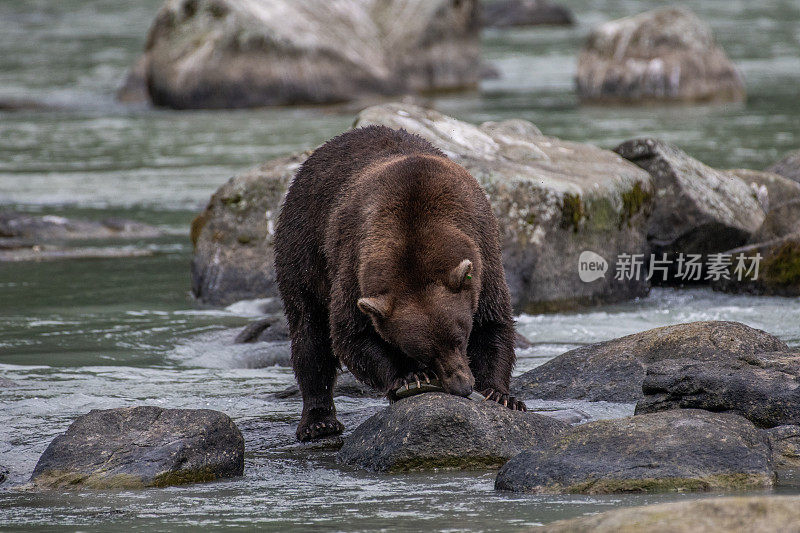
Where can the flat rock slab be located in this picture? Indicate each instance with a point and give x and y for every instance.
(135, 447)
(764, 388)
(670, 451)
(764, 514)
(614, 370)
(660, 55)
(437, 430)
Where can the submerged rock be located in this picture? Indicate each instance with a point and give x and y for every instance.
(778, 268)
(437, 430)
(764, 388)
(699, 210)
(788, 167)
(765, 514)
(48, 228)
(270, 329)
(664, 54)
(614, 370)
(226, 53)
(680, 450)
(136, 447)
(554, 201)
(507, 13)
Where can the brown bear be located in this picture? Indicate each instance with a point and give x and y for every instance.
(388, 261)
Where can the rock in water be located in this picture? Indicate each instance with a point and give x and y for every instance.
(778, 267)
(48, 228)
(270, 329)
(614, 370)
(765, 514)
(663, 54)
(788, 167)
(699, 210)
(135, 447)
(247, 53)
(670, 451)
(554, 200)
(507, 13)
(436, 430)
(764, 388)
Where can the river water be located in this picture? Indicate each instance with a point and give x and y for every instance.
(81, 335)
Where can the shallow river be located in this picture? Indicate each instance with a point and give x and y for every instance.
(93, 334)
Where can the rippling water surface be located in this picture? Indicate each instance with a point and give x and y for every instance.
(81, 335)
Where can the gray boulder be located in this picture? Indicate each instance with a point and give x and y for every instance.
(778, 189)
(136, 447)
(270, 329)
(226, 53)
(437, 430)
(764, 388)
(685, 450)
(778, 268)
(554, 200)
(614, 370)
(50, 228)
(698, 210)
(508, 13)
(785, 448)
(764, 514)
(788, 167)
(660, 55)
(781, 221)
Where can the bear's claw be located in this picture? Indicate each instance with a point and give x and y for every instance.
(504, 399)
(317, 430)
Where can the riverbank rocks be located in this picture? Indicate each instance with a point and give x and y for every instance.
(136, 447)
(554, 200)
(778, 268)
(231, 54)
(788, 167)
(764, 388)
(614, 370)
(764, 514)
(667, 54)
(683, 450)
(697, 209)
(507, 13)
(437, 430)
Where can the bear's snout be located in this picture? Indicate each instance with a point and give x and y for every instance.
(455, 375)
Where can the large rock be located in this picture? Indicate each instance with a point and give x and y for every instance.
(437, 430)
(764, 514)
(788, 167)
(245, 53)
(698, 210)
(670, 451)
(614, 370)
(781, 221)
(135, 447)
(507, 13)
(778, 272)
(664, 54)
(554, 200)
(785, 448)
(778, 188)
(764, 388)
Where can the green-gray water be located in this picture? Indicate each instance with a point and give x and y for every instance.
(79, 335)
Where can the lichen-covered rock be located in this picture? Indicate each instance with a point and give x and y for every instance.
(136, 447)
(683, 450)
(553, 199)
(437, 430)
(764, 388)
(507, 13)
(788, 167)
(614, 370)
(764, 514)
(698, 209)
(246, 53)
(660, 55)
(778, 268)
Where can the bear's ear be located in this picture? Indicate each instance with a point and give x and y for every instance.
(461, 275)
(377, 307)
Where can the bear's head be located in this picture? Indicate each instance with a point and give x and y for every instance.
(432, 325)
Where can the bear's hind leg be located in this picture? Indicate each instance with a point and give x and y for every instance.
(315, 368)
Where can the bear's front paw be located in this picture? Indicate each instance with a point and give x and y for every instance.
(503, 399)
(313, 428)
